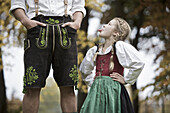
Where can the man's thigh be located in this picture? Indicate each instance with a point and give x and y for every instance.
(37, 57)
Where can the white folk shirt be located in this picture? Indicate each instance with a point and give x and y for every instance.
(49, 7)
(127, 55)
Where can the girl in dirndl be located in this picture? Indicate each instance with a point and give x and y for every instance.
(102, 69)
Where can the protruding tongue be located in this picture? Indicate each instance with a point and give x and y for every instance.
(99, 30)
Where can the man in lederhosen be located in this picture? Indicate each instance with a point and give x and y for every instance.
(51, 30)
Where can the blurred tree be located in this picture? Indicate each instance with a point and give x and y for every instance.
(9, 35)
(158, 16)
(145, 14)
(3, 100)
(154, 15)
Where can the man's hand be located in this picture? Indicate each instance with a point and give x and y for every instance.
(31, 23)
(77, 18)
(117, 77)
(74, 25)
(21, 16)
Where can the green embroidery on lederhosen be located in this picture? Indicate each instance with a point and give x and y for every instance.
(52, 21)
(42, 40)
(74, 74)
(30, 77)
(64, 37)
(65, 41)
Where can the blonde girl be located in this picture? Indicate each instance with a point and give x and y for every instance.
(102, 69)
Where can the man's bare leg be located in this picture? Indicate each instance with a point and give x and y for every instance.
(31, 100)
(68, 99)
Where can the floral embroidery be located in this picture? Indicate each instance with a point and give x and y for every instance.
(32, 75)
(43, 35)
(42, 40)
(64, 37)
(65, 41)
(30, 78)
(74, 74)
(52, 21)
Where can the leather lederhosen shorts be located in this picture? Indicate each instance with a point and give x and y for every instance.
(52, 44)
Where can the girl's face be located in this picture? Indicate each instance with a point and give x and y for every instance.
(108, 30)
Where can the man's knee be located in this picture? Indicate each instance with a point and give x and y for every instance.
(67, 90)
(33, 91)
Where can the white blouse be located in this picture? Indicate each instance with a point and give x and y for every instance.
(127, 55)
(48, 7)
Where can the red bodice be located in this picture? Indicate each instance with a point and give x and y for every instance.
(102, 65)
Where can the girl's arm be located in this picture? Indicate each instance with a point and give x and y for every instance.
(131, 59)
(87, 67)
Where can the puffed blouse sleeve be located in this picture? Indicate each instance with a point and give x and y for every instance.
(87, 67)
(131, 59)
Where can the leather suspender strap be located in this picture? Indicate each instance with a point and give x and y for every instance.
(36, 7)
(65, 5)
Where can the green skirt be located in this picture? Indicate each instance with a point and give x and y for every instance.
(104, 97)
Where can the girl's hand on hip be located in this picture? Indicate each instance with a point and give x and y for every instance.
(117, 77)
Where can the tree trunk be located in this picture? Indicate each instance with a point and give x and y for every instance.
(81, 99)
(135, 43)
(3, 100)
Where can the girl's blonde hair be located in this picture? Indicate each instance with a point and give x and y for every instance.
(124, 32)
(123, 28)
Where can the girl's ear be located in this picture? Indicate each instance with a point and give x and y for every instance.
(115, 34)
